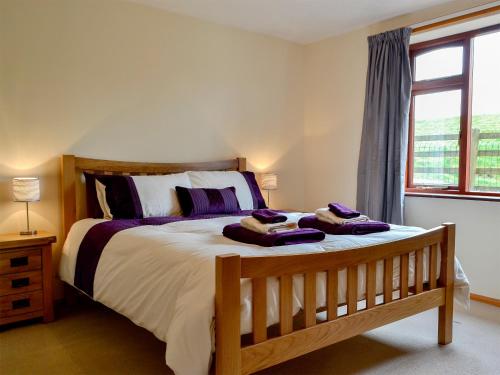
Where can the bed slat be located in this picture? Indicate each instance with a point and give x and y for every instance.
(352, 289)
(403, 275)
(332, 294)
(286, 311)
(310, 299)
(419, 271)
(371, 273)
(388, 272)
(259, 309)
(433, 266)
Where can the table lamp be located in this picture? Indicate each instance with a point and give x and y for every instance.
(26, 189)
(269, 182)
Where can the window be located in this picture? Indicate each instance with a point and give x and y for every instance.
(454, 137)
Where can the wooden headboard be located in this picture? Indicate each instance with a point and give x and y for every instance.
(73, 183)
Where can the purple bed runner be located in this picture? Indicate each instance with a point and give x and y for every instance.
(98, 236)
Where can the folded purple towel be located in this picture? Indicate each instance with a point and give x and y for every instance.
(236, 232)
(342, 211)
(267, 216)
(357, 228)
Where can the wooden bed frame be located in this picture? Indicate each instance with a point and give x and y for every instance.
(291, 340)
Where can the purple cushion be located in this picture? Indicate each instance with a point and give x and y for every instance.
(121, 196)
(200, 201)
(258, 199)
(93, 208)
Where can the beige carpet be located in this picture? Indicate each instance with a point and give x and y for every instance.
(91, 339)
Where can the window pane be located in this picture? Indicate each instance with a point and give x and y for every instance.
(436, 143)
(443, 62)
(485, 142)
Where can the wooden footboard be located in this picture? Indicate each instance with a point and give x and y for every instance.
(234, 358)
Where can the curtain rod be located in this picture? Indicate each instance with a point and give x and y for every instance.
(457, 19)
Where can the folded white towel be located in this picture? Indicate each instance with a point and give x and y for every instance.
(255, 225)
(324, 214)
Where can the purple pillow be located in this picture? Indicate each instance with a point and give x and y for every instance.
(121, 196)
(258, 199)
(199, 201)
(93, 208)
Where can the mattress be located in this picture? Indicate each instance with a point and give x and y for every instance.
(162, 277)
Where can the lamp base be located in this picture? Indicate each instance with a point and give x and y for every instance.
(28, 232)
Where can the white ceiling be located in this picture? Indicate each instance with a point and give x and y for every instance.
(302, 21)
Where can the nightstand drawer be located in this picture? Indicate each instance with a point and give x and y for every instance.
(20, 282)
(16, 304)
(20, 261)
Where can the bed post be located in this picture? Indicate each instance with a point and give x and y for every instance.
(242, 164)
(446, 280)
(227, 315)
(68, 192)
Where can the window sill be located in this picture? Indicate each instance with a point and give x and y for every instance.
(453, 196)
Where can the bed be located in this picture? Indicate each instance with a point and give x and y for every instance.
(263, 305)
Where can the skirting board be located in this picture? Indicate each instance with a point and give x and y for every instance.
(484, 299)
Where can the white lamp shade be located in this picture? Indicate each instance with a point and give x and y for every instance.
(269, 181)
(26, 189)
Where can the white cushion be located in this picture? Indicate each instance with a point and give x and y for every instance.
(157, 193)
(221, 179)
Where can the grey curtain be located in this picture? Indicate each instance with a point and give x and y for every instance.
(384, 141)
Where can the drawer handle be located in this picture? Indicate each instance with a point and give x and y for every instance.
(19, 261)
(19, 283)
(21, 303)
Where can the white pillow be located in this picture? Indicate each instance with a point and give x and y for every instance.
(221, 179)
(156, 193)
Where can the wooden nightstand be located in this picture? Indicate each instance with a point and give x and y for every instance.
(26, 290)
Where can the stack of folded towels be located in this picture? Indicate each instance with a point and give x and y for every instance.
(268, 221)
(339, 219)
(270, 228)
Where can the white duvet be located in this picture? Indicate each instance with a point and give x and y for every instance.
(163, 279)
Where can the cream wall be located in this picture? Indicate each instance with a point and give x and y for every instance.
(116, 80)
(334, 100)
(478, 223)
